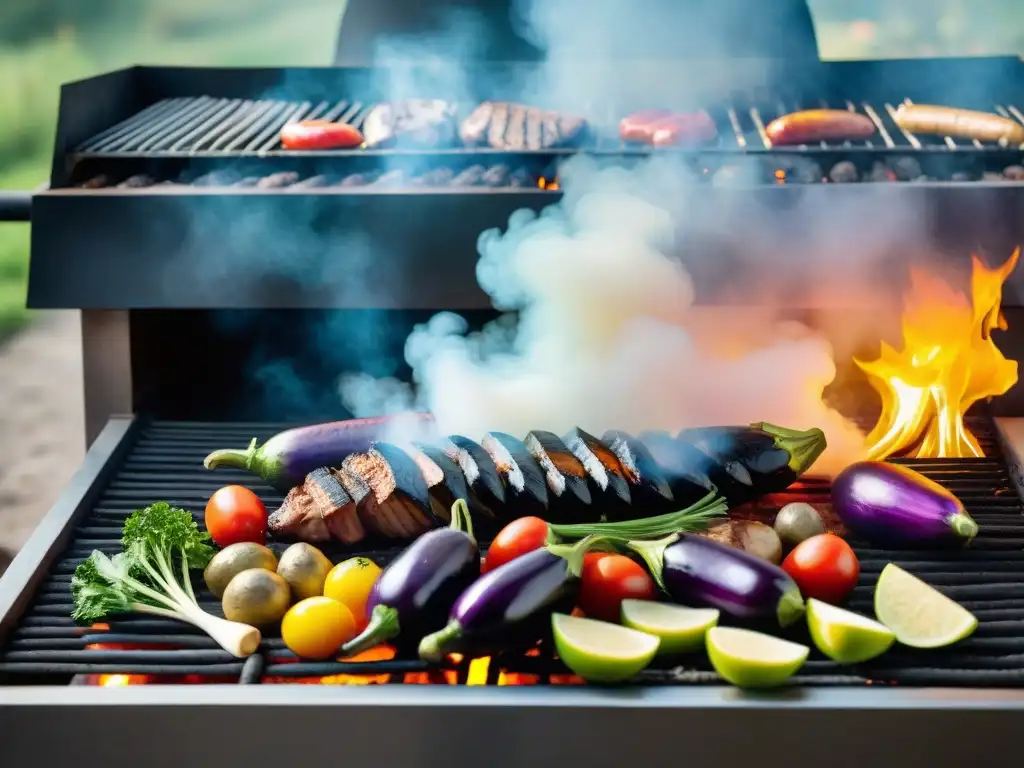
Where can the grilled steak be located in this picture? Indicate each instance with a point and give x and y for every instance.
(410, 123)
(502, 125)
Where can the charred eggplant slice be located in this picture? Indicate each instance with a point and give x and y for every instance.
(758, 459)
(397, 503)
(648, 485)
(525, 487)
(445, 481)
(486, 488)
(568, 488)
(609, 486)
(685, 467)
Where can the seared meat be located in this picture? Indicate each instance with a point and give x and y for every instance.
(501, 125)
(410, 123)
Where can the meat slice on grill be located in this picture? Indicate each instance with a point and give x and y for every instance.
(390, 492)
(317, 510)
(410, 123)
(510, 126)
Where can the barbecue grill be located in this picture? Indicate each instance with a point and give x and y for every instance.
(154, 224)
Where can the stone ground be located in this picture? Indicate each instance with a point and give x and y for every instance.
(42, 434)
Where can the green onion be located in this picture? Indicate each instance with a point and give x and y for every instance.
(694, 518)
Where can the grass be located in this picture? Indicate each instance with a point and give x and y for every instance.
(195, 32)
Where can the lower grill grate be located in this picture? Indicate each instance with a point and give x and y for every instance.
(165, 463)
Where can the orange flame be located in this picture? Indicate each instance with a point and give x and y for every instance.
(551, 186)
(948, 363)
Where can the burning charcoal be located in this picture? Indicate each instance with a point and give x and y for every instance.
(391, 178)
(738, 174)
(439, 177)
(248, 181)
(473, 130)
(991, 176)
(278, 180)
(961, 176)
(136, 182)
(215, 179)
(906, 168)
(525, 487)
(470, 177)
(879, 172)
(96, 182)
(649, 489)
(844, 173)
(495, 176)
(521, 178)
(414, 122)
(801, 170)
(313, 182)
(1014, 172)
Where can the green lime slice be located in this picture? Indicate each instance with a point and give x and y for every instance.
(918, 614)
(680, 629)
(844, 636)
(751, 659)
(601, 652)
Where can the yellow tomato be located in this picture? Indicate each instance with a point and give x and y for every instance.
(350, 583)
(316, 627)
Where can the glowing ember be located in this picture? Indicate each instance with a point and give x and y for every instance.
(551, 186)
(948, 363)
(116, 681)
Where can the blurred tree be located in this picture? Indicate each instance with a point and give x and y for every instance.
(26, 20)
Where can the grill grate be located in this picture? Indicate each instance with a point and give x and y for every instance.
(165, 463)
(218, 127)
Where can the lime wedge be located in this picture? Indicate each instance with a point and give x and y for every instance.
(918, 614)
(601, 652)
(752, 659)
(680, 629)
(844, 636)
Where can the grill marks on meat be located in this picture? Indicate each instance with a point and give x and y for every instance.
(410, 123)
(515, 127)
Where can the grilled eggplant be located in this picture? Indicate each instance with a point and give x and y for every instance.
(485, 486)
(608, 478)
(526, 491)
(401, 492)
(649, 490)
(747, 462)
(685, 467)
(568, 489)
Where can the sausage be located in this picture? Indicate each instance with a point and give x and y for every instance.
(814, 125)
(637, 127)
(692, 128)
(963, 123)
(320, 134)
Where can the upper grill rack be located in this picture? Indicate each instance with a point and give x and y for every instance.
(219, 127)
(165, 462)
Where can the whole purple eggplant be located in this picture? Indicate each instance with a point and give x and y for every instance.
(416, 591)
(694, 569)
(286, 458)
(894, 505)
(510, 608)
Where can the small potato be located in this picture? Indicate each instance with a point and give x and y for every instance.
(256, 597)
(305, 568)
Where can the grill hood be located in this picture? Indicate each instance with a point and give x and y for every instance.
(651, 29)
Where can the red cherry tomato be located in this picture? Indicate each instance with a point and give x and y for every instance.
(515, 540)
(609, 579)
(235, 514)
(320, 134)
(824, 567)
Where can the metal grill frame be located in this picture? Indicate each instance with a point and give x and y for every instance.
(456, 725)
